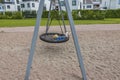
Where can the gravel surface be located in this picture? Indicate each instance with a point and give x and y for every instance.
(100, 47)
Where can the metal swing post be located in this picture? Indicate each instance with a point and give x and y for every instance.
(34, 39)
(77, 47)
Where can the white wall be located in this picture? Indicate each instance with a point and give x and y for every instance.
(30, 8)
(12, 7)
(118, 5)
(77, 4)
(108, 4)
(47, 3)
(1, 9)
(88, 5)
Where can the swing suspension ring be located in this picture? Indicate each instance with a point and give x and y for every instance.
(55, 37)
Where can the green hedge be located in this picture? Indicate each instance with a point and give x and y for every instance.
(29, 14)
(80, 14)
(45, 14)
(113, 13)
(77, 14)
(88, 14)
(17, 15)
(54, 14)
(11, 15)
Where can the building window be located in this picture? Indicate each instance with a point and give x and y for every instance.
(44, 8)
(62, 3)
(88, 6)
(17, 1)
(8, 6)
(22, 5)
(73, 2)
(28, 5)
(33, 4)
(3, 7)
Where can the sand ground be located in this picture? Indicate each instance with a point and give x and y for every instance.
(100, 47)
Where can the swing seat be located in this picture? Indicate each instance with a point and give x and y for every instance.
(48, 37)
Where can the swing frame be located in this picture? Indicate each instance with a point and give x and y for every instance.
(35, 35)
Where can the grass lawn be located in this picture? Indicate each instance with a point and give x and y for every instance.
(31, 22)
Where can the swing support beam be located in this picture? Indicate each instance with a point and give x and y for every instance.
(34, 39)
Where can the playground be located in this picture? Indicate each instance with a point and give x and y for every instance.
(100, 48)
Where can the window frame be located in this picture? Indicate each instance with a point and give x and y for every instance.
(22, 5)
(33, 4)
(74, 2)
(28, 5)
(62, 3)
(89, 6)
(8, 6)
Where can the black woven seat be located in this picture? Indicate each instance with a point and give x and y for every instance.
(48, 37)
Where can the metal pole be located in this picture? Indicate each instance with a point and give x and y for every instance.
(75, 40)
(34, 39)
(48, 21)
(62, 15)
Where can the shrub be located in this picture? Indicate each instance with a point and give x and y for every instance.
(29, 14)
(3, 17)
(88, 14)
(113, 13)
(9, 14)
(54, 14)
(65, 15)
(45, 14)
(75, 14)
(17, 15)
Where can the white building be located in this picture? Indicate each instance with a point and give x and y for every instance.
(74, 4)
(110, 4)
(1, 7)
(29, 5)
(9, 5)
(26, 5)
(91, 4)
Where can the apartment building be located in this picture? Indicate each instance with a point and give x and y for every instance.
(29, 5)
(10, 5)
(23, 5)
